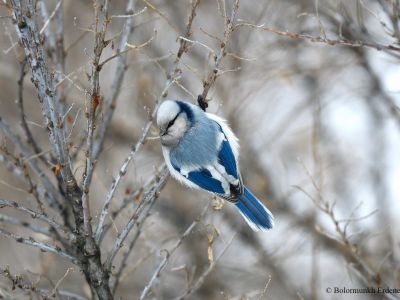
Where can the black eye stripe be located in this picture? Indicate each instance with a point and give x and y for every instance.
(173, 121)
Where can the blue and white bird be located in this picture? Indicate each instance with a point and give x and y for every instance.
(201, 151)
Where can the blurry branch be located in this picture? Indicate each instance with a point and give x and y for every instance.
(68, 294)
(169, 253)
(163, 16)
(41, 245)
(133, 198)
(130, 47)
(27, 30)
(47, 31)
(199, 282)
(87, 252)
(393, 15)
(129, 14)
(55, 48)
(61, 54)
(378, 87)
(17, 281)
(110, 102)
(139, 224)
(183, 45)
(47, 184)
(252, 241)
(100, 13)
(122, 274)
(24, 124)
(390, 49)
(18, 222)
(37, 215)
(213, 75)
(119, 275)
(49, 18)
(198, 43)
(362, 265)
(116, 181)
(54, 292)
(18, 163)
(264, 291)
(365, 62)
(141, 213)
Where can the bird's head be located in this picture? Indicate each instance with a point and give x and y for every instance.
(173, 119)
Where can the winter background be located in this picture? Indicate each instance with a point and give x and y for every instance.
(318, 119)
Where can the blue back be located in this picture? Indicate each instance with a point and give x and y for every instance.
(198, 147)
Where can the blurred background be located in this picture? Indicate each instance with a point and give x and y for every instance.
(318, 119)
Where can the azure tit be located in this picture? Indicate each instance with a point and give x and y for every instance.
(201, 151)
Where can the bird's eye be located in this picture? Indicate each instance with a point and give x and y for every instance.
(172, 121)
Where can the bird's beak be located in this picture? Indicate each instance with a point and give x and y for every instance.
(162, 132)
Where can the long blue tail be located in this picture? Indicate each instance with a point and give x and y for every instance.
(254, 212)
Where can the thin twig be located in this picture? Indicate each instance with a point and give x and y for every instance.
(199, 282)
(119, 73)
(101, 11)
(27, 29)
(18, 281)
(393, 50)
(24, 124)
(53, 13)
(41, 245)
(37, 215)
(18, 222)
(117, 180)
(19, 163)
(213, 75)
(51, 191)
(148, 202)
(132, 198)
(55, 289)
(168, 254)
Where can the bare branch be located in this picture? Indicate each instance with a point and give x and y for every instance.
(199, 282)
(213, 75)
(41, 245)
(18, 281)
(51, 16)
(119, 73)
(49, 187)
(27, 31)
(24, 124)
(37, 215)
(130, 15)
(390, 49)
(117, 180)
(101, 11)
(142, 211)
(169, 253)
(18, 222)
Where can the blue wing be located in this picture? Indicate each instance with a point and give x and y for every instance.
(204, 179)
(226, 157)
